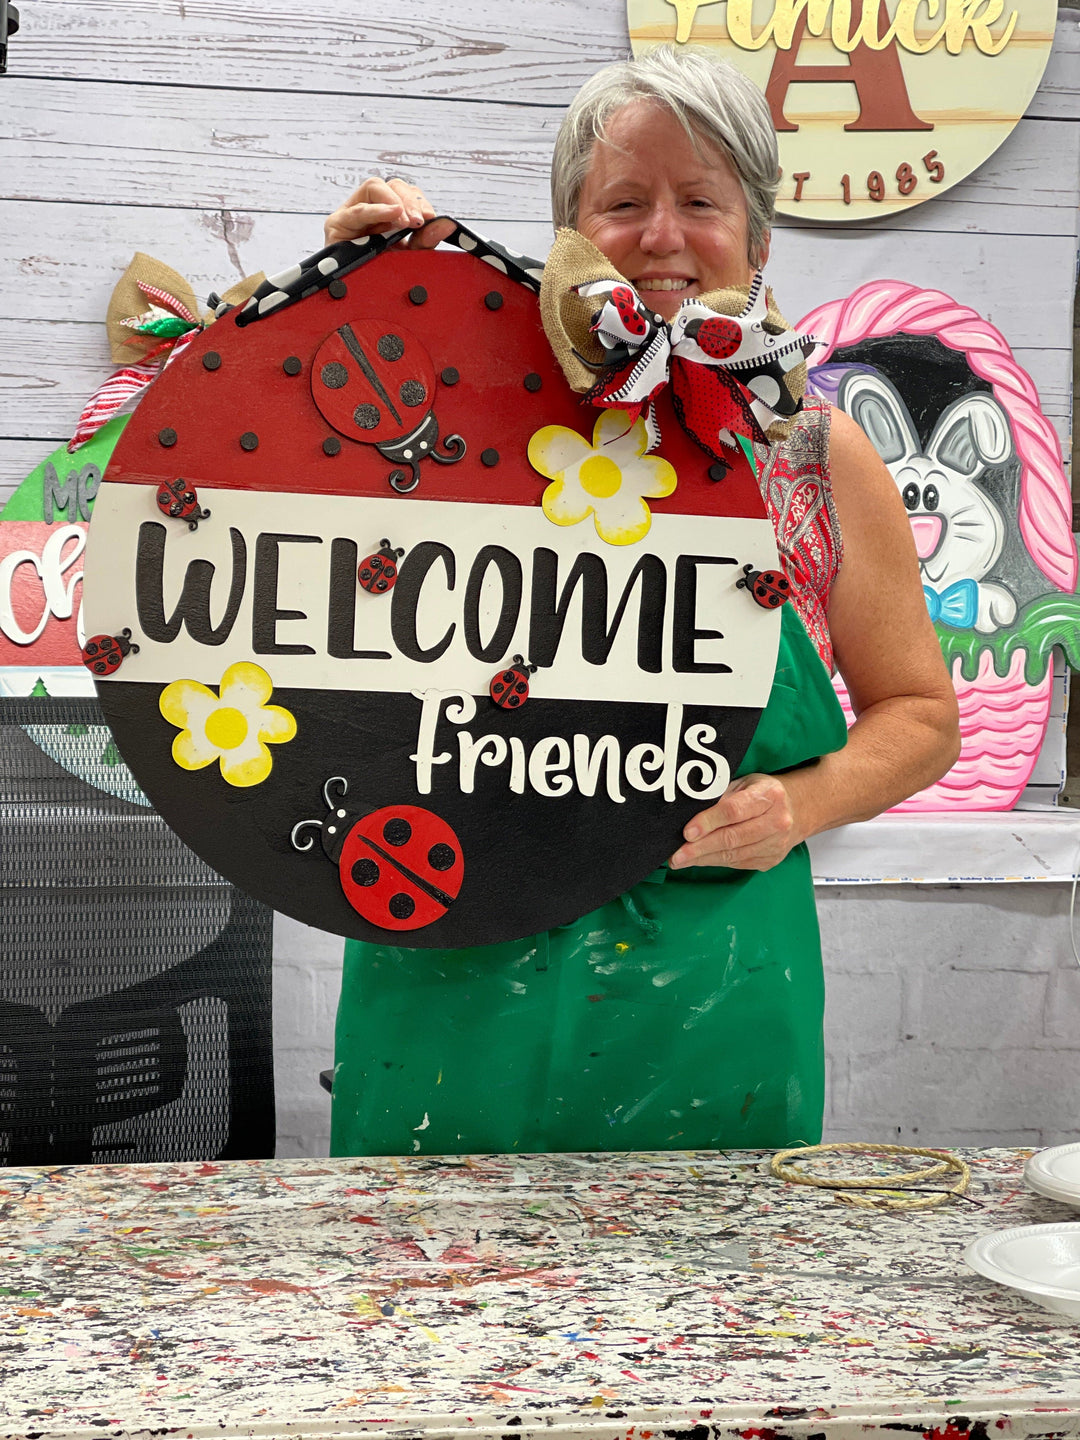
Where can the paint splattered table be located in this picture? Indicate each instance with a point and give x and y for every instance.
(595, 1296)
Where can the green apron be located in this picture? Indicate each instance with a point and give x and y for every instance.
(686, 1014)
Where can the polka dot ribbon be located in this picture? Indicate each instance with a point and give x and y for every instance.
(319, 271)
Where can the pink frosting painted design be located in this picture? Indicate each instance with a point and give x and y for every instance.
(1002, 724)
(1002, 719)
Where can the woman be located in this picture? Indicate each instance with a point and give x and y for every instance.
(709, 1033)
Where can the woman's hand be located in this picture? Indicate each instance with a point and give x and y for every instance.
(906, 734)
(380, 206)
(751, 827)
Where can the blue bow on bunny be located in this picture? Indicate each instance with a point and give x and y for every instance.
(956, 606)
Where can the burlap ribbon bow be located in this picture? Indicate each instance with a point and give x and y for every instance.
(736, 369)
(152, 317)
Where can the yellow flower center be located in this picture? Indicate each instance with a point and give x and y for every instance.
(600, 477)
(226, 728)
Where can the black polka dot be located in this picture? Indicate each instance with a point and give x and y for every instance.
(401, 906)
(718, 471)
(391, 347)
(397, 831)
(450, 376)
(365, 872)
(249, 440)
(493, 300)
(418, 294)
(533, 382)
(412, 393)
(291, 365)
(441, 857)
(167, 437)
(334, 375)
(367, 417)
(211, 360)
(489, 458)
(338, 289)
(331, 445)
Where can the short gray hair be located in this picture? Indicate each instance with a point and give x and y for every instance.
(712, 100)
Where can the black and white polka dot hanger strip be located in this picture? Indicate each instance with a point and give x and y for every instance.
(321, 270)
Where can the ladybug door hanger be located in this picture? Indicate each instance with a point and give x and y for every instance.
(450, 657)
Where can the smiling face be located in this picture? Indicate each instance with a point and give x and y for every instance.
(669, 215)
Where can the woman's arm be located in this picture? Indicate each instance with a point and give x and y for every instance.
(907, 733)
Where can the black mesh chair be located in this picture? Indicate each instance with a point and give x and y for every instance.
(135, 983)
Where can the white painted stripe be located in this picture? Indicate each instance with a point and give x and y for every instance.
(749, 634)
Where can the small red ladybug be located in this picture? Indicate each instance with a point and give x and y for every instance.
(622, 297)
(180, 500)
(378, 573)
(769, 588)
(400, 866)
(102, 654)
(510, 687)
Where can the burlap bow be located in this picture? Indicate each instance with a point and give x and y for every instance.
(152, 316)
(735, 366)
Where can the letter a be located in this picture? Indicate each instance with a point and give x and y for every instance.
(876, 75)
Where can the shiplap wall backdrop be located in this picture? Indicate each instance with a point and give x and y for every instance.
(216, 136)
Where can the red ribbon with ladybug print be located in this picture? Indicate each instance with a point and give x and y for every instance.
(731, 375)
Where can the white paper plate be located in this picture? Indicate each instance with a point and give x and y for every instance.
(1056, 1173)
(1041, 1261)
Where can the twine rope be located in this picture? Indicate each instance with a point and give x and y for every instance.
(890, 1183)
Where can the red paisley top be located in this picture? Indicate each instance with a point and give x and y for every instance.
(797, 489)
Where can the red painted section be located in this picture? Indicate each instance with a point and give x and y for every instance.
(492, 350)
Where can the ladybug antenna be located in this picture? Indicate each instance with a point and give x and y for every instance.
(334, 780)
(301, 825)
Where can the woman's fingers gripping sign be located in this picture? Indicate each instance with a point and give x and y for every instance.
(378, 207)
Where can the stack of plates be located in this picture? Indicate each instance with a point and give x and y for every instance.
(1056, 1173)
(1042, 1262)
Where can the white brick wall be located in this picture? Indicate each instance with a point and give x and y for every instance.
(952, 1014)
(952, 1018)
(307, 978)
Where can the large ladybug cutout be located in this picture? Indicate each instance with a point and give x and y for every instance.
(400, 866)
(375, 383)
(285, 665)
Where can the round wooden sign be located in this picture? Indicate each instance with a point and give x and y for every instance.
(878, 104)
(420, 647)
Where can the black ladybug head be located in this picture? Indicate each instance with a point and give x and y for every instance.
(334, 826)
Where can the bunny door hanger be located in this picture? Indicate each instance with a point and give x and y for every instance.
(959, 530)
(407, 502)
(978, 466)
